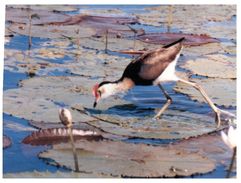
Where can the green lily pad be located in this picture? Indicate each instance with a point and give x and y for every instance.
(221, 91)
(129, 160)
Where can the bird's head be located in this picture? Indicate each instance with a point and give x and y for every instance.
(103, 90)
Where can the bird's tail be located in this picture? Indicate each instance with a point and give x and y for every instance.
(173, 43)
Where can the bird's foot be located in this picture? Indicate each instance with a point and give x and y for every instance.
(224, 116)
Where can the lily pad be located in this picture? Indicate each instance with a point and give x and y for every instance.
(165, 38)
(173, 125)
(208, 145)
(57, 174)
(77, 19)
(112, 11)
(183, 15)
(20, 15)
(56, 135)
(40, 98)
(215, 66)
(49, 7)
(129, 160)
(6, 142)
(52, 31)
(221, 91)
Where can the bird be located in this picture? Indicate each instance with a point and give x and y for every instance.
(153, 67)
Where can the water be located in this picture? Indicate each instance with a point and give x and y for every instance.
(144, 101)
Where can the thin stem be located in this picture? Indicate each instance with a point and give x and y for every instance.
(106, 41)
(170, 19)
(29, 30)
(74, 150)
(232, 162)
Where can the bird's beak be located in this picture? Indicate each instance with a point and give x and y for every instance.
(95, 103)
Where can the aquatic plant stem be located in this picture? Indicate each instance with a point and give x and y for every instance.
(29, 29)
(170, 19)
(106, 41)
(232, 162)
(73, 149)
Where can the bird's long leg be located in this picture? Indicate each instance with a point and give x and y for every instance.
(168, 102)
(209, 101)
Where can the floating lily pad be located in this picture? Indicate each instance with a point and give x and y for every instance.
(209, 145)
(56, 135)
(215, 66)
(57, 174)
(202, 50)
(183, 15)
(114, 25)
(49, 7)
(6, 141)
(40, 98)
(52, 31)
(172, 125)
(20, 15)
(103, 12)
(78, 19)
(129, 160)
(165, 38)
(221, 91)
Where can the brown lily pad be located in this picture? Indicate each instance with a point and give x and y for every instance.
(165, 38)
(78, 19)
(58, 135)
(116, 26)
(6, 142)
(129, 160)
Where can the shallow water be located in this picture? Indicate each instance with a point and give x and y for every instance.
(144, 101)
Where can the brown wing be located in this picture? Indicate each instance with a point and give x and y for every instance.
(155, 62)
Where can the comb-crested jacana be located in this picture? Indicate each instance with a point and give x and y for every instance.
(152, 68)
